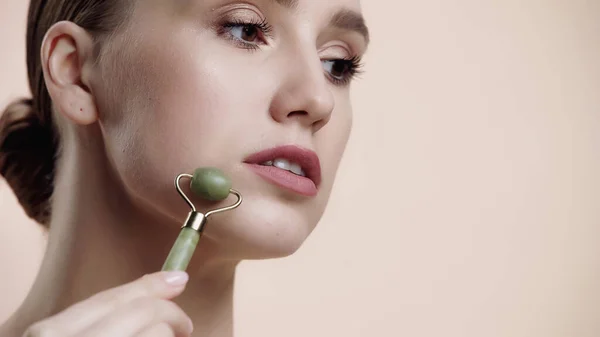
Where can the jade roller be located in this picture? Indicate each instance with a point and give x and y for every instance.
(213, 185)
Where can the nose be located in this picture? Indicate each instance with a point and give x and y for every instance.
(304, 95)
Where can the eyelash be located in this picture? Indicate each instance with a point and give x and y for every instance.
(263, 27)
(352, 65)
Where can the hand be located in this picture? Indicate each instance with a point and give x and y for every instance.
(141, 308)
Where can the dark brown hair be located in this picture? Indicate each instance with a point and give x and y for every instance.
(29, 140)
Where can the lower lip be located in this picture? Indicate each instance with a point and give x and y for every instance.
(286, 179)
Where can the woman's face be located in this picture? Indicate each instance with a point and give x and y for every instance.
(217, 83)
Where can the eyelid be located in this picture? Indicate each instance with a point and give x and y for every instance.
(238, 12)
(330, 51)
(349, 41)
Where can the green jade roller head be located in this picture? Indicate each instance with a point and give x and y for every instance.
(208, 183)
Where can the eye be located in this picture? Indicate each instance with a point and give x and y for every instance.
(248, 35)
(342, 71)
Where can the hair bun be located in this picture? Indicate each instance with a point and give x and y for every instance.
(27, 152)
(18, 110)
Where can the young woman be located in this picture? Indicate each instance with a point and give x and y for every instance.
(129, 94)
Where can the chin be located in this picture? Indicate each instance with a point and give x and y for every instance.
(261, 229)
(270, 223)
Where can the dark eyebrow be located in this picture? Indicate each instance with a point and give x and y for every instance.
(343, 19)
(349, 20)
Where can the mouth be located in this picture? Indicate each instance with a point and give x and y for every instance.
(290, 167)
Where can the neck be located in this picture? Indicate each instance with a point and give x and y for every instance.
(99, 239)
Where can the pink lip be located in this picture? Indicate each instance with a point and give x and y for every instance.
(307, 159)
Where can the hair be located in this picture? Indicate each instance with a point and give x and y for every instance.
(29, 139)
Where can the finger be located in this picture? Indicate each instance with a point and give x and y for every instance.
(139, 315)
(163, 285)
(159, 330)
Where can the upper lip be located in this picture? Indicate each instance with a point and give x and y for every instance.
(307, 159)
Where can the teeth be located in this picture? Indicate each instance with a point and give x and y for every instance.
(285, 164)
(282, 164)
(295, 168)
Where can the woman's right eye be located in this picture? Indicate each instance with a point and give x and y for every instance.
(248, 35)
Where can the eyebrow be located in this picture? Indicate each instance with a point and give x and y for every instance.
(345, 19)
(288, 3)
(349, 20)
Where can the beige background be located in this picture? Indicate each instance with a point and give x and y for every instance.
(469, 203)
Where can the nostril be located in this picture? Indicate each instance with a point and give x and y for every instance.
(298, 113)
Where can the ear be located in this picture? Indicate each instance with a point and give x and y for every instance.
(67, 62)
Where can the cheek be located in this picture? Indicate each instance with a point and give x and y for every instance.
(331, 143)
(178, 107)
(333, 138)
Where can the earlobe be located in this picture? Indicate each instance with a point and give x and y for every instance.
(66, 53)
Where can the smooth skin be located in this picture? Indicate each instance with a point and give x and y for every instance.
(182, 85)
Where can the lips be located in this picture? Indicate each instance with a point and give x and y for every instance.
(290, 167)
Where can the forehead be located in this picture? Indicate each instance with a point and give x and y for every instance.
(318, 7)
(314, 7)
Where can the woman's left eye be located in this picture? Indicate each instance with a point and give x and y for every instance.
(341, 71)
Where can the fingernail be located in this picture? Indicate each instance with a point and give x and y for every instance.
(176, 278)
(191, 325)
